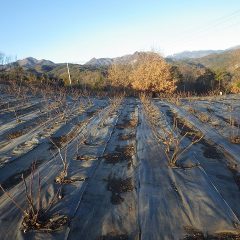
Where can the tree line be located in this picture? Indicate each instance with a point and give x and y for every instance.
(149, 73)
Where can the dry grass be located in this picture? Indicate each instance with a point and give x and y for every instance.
(203, 117)
(234, 136)
(192, 110)
(115, 103)
(196, 234)
(235, 139)
(15, 134)
(85, 158)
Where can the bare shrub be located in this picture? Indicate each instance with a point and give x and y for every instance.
(63, 177)
(174, 99)
(35, 217)
(171, 139)
(173, 144)
(235, 128)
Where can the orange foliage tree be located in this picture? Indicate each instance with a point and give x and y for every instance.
(118, 75)
(235, 86)
(151, 73)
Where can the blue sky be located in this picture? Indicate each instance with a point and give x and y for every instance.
(77, 30)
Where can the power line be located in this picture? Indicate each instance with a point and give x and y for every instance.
(202, 34)
(214, 22)
(218, 22)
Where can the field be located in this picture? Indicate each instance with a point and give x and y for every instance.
(113, 168)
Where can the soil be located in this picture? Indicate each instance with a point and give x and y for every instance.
(121, 154)
(114, 237)
(118, 186)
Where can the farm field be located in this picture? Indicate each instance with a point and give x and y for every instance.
(119, 167)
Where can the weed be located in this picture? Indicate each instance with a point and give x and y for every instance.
(203, 117)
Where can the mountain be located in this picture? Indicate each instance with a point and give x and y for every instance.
(198, 54)
(193, 54)
(228, 60)
(99, 62)
(197, 73)
(39, 66)
(32, 62)
(208, 58)
(234, 48)
(105, 62)
(188, 63)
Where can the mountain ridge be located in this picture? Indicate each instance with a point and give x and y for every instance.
(125, 59)
(193, 54)
(31, 62)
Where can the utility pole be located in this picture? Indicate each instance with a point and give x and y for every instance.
(69, 76)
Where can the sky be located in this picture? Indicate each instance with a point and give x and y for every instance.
(77, 30)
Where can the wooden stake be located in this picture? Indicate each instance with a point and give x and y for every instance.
(69, 76)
